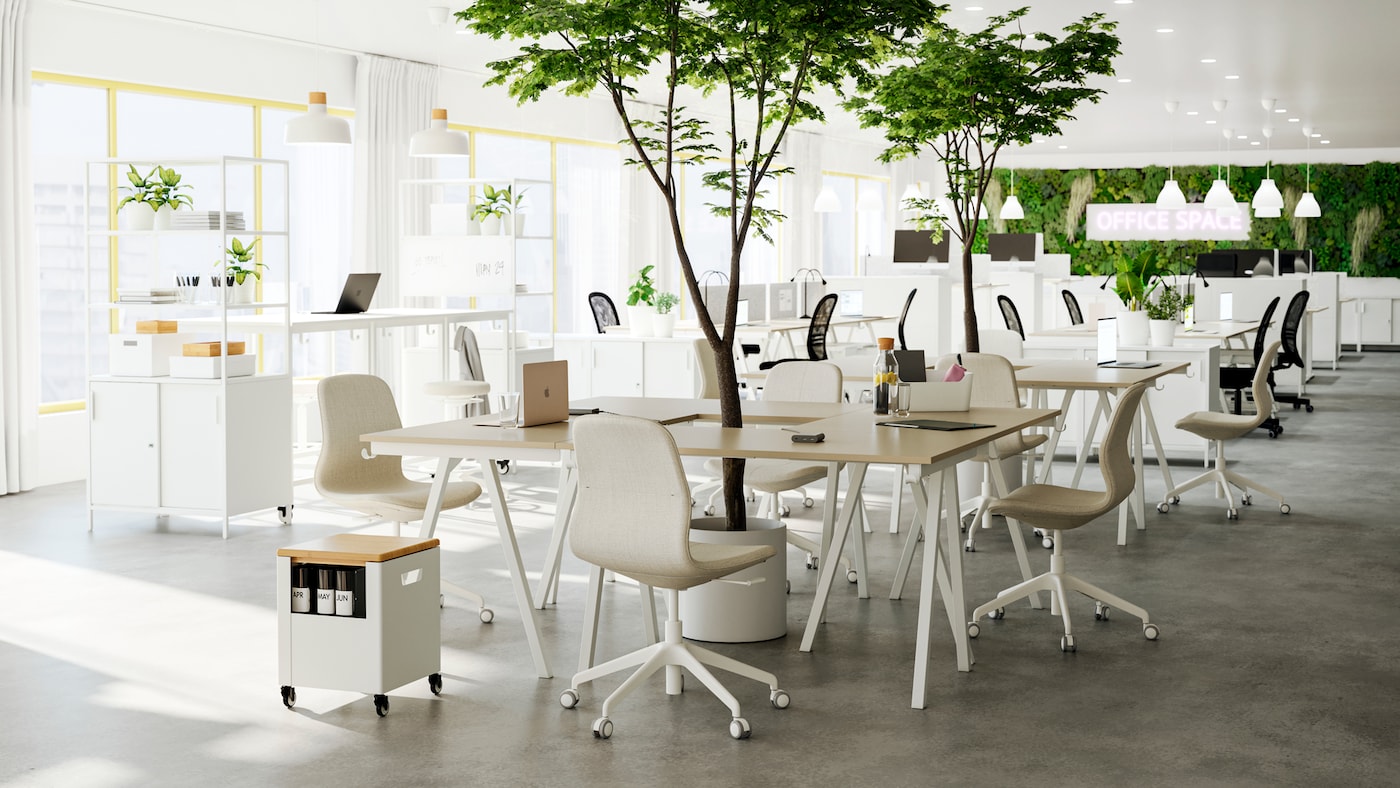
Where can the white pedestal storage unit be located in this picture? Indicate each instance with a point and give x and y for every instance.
(393, 636)
(619, 365)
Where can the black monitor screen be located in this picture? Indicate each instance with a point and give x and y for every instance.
(1246, 259)
(1295, 261)
(1012, 246)
(1216, 264)
(916, 246)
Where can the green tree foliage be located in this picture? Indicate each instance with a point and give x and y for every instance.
(761, 59)
(966, 95)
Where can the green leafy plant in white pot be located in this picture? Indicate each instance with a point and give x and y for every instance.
(664, 321)
(241, 272)
(641, 303)
(1164, 315)
(168, 196)
(138, 208)
(492, 207)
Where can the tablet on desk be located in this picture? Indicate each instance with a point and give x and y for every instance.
(933, 424)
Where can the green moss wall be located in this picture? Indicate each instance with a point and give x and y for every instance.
(1341, 189)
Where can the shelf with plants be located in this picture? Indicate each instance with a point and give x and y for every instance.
(173, 430)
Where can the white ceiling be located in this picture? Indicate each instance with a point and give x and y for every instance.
(1327, 63)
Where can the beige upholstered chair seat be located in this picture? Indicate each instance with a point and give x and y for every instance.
(1218, 426)
(1051, 506)
(711, 562)
(1012, 445)
(402, 501)
(773, 476)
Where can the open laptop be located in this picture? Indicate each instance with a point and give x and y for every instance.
(544, 393)
(356, 295)
(1108, 347)
(852, 302)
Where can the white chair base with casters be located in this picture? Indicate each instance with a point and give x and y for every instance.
(1223, 477)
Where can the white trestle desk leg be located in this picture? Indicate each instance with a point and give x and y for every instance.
(1161, 451)
(445, 466)
(831, 557)
(916, 527)
(952, 588)
(896, 498)
(1102, 408)
(511, 548)
(1050, 445)
(548, 590)
(589, 646)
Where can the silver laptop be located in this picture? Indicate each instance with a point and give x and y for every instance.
(544, 393)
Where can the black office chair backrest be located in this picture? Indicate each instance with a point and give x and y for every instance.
(604, 313)
(1262, 332)
(1076, 315)
(1010, 315)
(1292, 318)
(821, 323)
(902, 316)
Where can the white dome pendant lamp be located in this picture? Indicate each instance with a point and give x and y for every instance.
(1308, 207)
(1268, 201)
(438, 141)
(1219, 196)
(317, 126)
(1011, 209)
(1171, 198)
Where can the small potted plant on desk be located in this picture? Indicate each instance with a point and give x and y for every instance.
(495, 205)
(641, 303)
(664, 322)
(1164, 315)
(241, 273)
(167, 196)
(140, 195)
(1137, 278)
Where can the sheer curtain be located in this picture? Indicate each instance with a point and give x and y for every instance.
(802, 230)
(19, 281)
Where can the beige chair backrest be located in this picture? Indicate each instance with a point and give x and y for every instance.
(707, 379)
(1000, 341)
(633, 511)
(1263, 394)
(1115, 460)
(803, 381)
(352, 405)
(993, 378)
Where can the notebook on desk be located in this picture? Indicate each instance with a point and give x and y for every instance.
(1108, 348)
(356, 295)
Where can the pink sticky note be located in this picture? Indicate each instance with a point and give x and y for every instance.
(955, 374)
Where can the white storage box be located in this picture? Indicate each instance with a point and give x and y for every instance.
(143, 355)
(211, 366)
(941, 396)
(449, 218)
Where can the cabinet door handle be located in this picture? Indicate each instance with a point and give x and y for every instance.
(216, 409)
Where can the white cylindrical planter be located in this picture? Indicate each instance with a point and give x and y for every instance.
(719, 612)
(639, 319)
(163, 215)
(1163, 332)
(137, 216)
(519, 219)
(247, 292)
(1132, 328)
(491, 225)
(663, 325)
(473, 227)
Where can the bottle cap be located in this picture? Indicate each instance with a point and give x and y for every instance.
(885, 343)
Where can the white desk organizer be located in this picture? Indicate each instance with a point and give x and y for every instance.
(398, 639)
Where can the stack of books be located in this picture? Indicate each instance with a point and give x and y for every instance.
(147, 295)
(206, 220)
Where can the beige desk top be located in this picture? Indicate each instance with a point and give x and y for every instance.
(1086, 375)
(1216, 329)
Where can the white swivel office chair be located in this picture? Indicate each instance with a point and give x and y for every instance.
(1061, 509)
(633, 517)
(1221, 427)
(348, 475)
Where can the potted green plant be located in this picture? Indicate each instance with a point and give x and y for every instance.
(641, 303)
(664, 321)
(168, 196)
(1137, 278)
(516, 208)
(241, 272)
(493, 205)
(140, 195)
(1164, 315)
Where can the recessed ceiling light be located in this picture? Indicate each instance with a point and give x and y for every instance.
(1241, 136)
(1280, 112)
(1210, 123)
(1254, 142)
(1193, 113)
(1064, 147)
(973, 8)
(1124, 80)
(1165, 30)
(1316, 136)
(1122, 2)
(1327, 142)
(1292, 120)
(1232, 76)
(1207, 60)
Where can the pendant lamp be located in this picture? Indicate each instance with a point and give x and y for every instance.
(1171, 197)
(1011, 209)
(1267, 197)
(827, 201)
(317, 126)
(1219, 196)
(438, 141)
(1307, 207)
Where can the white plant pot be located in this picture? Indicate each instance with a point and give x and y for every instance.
(473, 227)
(639, 319)
(663, 325)
(1132, 328)
(137, 216)
(163, 216)
(719, 612)
(519, 221)
(491, 225)
(245, 293)
(1163, 332)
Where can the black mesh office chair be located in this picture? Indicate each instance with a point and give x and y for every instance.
(1288, 355)
(1239, 379)
(1010, 315)
(816, 333)
(902, 316)
(1076, 315)
(604, 313)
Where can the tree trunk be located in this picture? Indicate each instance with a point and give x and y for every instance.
(730, 415)
(969, 302)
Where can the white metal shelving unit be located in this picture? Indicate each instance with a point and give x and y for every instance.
(216, 447)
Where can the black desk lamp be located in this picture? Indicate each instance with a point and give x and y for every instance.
(806, 274)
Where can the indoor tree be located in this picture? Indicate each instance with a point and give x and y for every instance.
(757, 62)
(966, 95)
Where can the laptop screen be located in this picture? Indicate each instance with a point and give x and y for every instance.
(1108, 340)
(851, 303)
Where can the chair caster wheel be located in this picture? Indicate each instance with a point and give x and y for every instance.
(709, 511)
(1067, 644)
(568, 698)
(788, 588)
(1100, 611)
(780, 699)
(1284, 508)
(381, 705)
(808, 503)
(289, 696)
(1163, 507)
(998, 614)
(602, 728)
(1048, 543)
(811, 562)
(739, 728)
(487, 615)
(435, 683)
(284, 514)
(1310, 409)
(969, 547)
(1232, 514)
(784, 511)
(851, 576)
(1274, 433)
(973, 630)
(1176, 499)
(1150, 631)
(1247, 500)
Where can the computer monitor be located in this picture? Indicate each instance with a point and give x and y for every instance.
(1216, 264)
(1246, 259)
(852, 303)
(917, 246)
(1016, 247)
(1295, 261)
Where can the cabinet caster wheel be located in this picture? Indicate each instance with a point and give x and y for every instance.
(739, 728)
(811, 562)
(998, 614)
(1163, 507)
(289, 696)
(284, 513)
(973, 630)
(442, 601)
(1310, 409)
(487, 615)
(780, 699)
(568, 698)
(1067, 644)
(851, 576)
(1232, 514)
(1176, 499)
(1100, 611)
(1274, 433)
(602, 728)
(808, 503)
(435, 683)
(709, 511)
(1284, 508)
(1150, 631)
(381, 705)
(1048, 543)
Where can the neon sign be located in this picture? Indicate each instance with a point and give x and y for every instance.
(1146, 222)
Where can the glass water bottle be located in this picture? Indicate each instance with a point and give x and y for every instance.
(886, 375)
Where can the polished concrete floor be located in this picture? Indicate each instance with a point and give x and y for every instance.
(144, 653)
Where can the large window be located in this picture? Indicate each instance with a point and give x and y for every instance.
(588, 229)
(708, 237)
(856, 233)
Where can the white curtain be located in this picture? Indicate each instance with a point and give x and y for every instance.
(19, 268)
(393, 99)
(802, 229)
